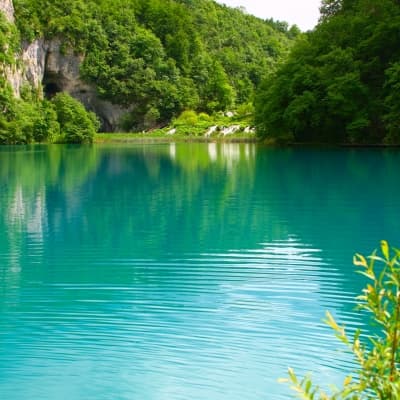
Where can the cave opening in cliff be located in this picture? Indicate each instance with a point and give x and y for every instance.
(51, 85)
(51, 89)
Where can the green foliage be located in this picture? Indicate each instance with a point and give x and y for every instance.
(329, 8)
(53, 18)
(151, 117)
(188, 117)
(9, 42)
(76, 124)
(245, 110)
(33, 120)
(341, 81)
(46, 128)
(25, 121)
(160, 57)
(218, 94)
(392, 103)
(379, 373)
(204, 117)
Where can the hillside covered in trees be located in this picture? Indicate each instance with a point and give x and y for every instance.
(341, 82)
(152, 58)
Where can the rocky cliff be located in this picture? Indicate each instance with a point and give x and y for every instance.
(43, 66)
(61, 74)
(6, 6)
(30, 67)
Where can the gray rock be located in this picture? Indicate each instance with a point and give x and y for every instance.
(7, 7)
(30, 68)
(42, 65)
(230, 130)
(211, 130)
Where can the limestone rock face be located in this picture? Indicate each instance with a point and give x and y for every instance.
(31, 67)
(42, 65)
(7, 7)
(62, 69)
(61, 74)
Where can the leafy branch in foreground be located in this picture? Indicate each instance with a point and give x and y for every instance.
(378, 376)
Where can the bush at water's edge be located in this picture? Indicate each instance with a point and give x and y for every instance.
(378, 376)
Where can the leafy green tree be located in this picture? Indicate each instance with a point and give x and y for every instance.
(9, 42)
(329, 8)
(392, 103)
(76, 124)
(46, 127)
(339, 84)
(25, 120)
(188, 117)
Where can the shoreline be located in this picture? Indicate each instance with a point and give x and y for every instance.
(104, 138)
(139, 138)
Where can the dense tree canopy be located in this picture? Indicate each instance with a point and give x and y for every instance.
(341, 81)
(159, 57)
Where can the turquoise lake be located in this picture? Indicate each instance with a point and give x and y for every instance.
(187, 271)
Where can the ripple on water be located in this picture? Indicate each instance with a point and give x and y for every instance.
(243, 316)
(181, 271)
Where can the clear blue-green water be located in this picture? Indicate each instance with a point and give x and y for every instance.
(175, 272)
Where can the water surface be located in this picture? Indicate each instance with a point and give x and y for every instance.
(182, 271)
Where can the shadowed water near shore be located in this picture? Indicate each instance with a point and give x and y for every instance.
(182, 270)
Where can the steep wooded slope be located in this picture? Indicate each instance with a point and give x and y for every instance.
(138, 63)
(341, 82)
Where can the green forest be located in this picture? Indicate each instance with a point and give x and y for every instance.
(338, 83)
(157, 58)
(341, 81)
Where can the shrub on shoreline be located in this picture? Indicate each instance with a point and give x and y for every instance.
(378, 375)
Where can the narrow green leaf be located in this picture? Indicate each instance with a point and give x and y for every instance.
(385, 249)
